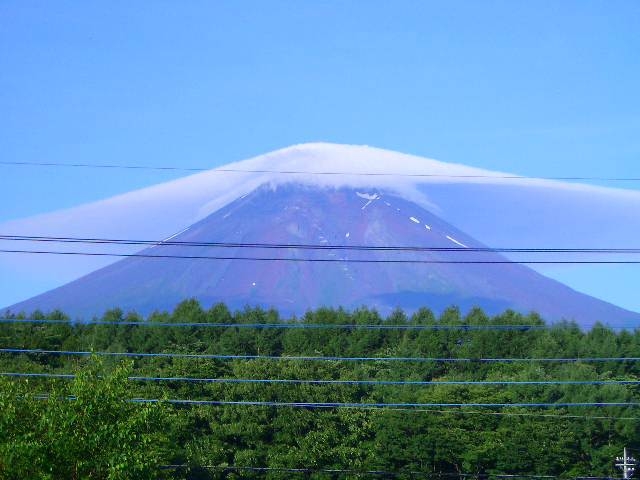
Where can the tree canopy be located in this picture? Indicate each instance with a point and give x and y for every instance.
(402, 410)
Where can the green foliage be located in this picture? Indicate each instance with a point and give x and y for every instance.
(89, 428)
(85, 429)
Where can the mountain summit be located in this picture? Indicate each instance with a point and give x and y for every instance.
(324, 224)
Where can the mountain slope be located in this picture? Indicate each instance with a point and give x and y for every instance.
(301, 279)
(513, 212)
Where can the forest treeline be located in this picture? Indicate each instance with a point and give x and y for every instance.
(121, 417)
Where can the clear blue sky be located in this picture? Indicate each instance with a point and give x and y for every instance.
(548, 88)
(535, 88)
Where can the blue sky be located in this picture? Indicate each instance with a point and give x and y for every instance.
(540, 87)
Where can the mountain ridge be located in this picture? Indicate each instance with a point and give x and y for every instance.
(518, 212)
(295, 280)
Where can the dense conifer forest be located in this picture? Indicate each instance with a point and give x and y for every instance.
(334, 394)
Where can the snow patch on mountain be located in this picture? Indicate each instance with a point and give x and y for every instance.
(368, 196)
(456, 241)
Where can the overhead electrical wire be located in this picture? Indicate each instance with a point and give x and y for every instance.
(302, 471)
(322, 260)
(304, 172)
(297, 325)
(519, 414)
(302, 246)
(284, 325)
(390, 405)
(413, 408)
(364, 405)
(386, 473)
(375, 383)
(206, 356)
(450, 408)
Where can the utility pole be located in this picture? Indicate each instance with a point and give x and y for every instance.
(627, 464)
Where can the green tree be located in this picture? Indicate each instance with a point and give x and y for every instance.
(86, 429)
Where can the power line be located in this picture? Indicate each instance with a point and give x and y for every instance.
(289, 325)
(449, 410)
(520, 414)
(205, 356)
(327, 260)
(305, 172)
(284, 470)
(352, 471)
(341, 382)
(295, 325)
(404, 408)
(363, 405)
(389, 405)
(302, 246)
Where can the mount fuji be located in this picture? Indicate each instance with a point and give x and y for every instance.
(226, 222)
